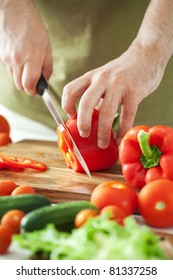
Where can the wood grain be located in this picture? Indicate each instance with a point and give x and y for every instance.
(58, 182)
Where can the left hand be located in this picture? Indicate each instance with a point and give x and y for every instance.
(124, 81)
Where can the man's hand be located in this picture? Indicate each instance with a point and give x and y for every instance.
(25, 48)
(125, 81)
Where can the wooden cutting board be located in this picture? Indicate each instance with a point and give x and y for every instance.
(58, 183)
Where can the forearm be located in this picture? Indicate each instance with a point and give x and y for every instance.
(156, 31)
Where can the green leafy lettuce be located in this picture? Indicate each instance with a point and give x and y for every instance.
(98, 239)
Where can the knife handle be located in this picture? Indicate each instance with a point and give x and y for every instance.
(41, 85)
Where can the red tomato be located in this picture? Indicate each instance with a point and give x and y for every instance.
(4, 139)
(115, 193)
(5, 238)
(6, 187)
(116, 213)
(23, 189)
(83, 216)
(12, 219)
(4, 125)
(156, 203)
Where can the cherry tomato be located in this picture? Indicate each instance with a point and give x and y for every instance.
(12, 219)
(23, 189)
(116, 193)
(156, 203)
(6, 187)
(83, 216)
(4, 125)
(4, 139)
(5, 238)
(115, 212)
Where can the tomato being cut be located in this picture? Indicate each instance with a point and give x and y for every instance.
(156, 203)
(116, 193)
(95, 157)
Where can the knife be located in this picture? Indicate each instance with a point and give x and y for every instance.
(42, 90)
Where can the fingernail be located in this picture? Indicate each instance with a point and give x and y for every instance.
(102, 144)
(83, 134)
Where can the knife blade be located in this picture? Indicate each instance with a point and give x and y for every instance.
(42, 90)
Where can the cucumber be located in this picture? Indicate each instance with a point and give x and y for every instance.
(61, 215)
(24, 202)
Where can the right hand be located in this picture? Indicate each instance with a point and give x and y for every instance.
(25, 49)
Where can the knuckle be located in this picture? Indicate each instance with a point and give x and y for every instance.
(28, 86)
(15, 57)
(67, 90)
(85, 101)
(107, 113)
(102, 75)
(5, 59)
(84, 126)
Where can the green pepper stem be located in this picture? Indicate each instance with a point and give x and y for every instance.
(150, 155)
(143, 139)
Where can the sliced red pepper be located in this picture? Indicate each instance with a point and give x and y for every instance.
(146, 154)
(95, 157)
(7, 161)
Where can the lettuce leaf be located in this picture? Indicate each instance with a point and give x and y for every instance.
(99, 239)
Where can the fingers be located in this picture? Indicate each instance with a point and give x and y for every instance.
(71, 92)
(30, 78)
(17, 77)
(93, 95)
(47, 64)
(128, 112)
(107, 114)
(26, 75)
(88, 102)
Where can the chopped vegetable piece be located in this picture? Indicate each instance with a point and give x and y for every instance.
(7, 161)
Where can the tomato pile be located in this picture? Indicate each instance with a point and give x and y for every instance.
(154, 202)
(10, 221)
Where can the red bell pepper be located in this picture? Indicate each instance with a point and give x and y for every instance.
(146, 154)
(16, 162)
(95, 157)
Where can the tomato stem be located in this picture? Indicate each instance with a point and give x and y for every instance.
(150, 154)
